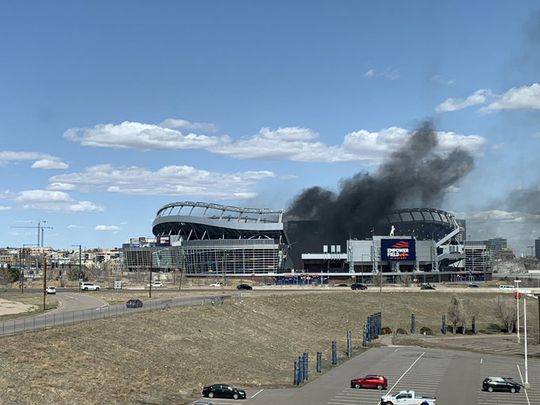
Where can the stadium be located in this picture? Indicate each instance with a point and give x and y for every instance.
(206, 239)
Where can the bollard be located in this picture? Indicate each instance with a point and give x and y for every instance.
(473, 326)
(300, 369)
(364, 337)
(444, 327)
(413, 324)
(334, 353)
(349, 344)
(319, 362)
(306, 366)
(295, 375)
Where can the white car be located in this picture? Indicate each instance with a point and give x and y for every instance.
(216, 285)
(50, 290)
(155, 284)
(86, 286)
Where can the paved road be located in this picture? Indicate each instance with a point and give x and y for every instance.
(75, 301)
(454, 377)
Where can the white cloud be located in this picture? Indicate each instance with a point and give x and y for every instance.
(455, 104)
(387, 74)
(4, 207)
(41, 160)
(107, 228)
(136, 135)
(72, 226)
(289, 143)
(51, 200)
(49, 164)
(169, 180)
(174, 123)
(375, 145)
(518, 98)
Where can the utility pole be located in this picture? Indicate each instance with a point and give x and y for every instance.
(44, 281)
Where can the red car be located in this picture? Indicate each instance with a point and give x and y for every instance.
(370, 381)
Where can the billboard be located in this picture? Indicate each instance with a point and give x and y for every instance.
(164, 240)
(398, 249)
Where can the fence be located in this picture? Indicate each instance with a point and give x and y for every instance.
(33, 323)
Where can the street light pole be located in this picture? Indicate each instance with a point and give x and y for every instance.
(526, 385)
(516, 282)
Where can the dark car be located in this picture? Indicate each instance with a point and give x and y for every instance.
(244, 287)
(223, 391)
(134, 303)
(491, 384)
(370, 381)
(358, 286)
(473, 286)
(427, 286)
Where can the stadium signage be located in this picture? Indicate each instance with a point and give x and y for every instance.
(398, 249)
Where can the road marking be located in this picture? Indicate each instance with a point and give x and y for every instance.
(257, 393)
(522, 383)
(482, 360)
(406, 371)
(396, 350)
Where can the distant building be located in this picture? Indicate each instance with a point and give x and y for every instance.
(537, 248)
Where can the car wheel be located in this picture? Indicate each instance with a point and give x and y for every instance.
(97, 289)
(357, 386)
(210, 395)
(388, 403)
(490, 389)
(379, 386)
(235, 396)
(513, 390)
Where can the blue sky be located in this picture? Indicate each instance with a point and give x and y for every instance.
(109, 110)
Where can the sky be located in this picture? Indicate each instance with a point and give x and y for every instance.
(110, 110)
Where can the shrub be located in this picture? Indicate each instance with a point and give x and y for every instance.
(386, 330)
(401, 331)
(424, 330)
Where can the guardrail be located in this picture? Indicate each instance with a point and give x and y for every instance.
(43, 321)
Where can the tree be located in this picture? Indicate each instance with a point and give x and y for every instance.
(457, 314)
(506, 311)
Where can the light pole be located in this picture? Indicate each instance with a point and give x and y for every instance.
(516, 282)
(80, 258)
(526, 385)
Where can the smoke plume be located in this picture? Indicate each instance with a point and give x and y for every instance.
(413, 176)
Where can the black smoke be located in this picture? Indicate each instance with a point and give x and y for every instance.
(413, 176)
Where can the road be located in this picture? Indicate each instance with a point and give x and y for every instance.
(454, 377)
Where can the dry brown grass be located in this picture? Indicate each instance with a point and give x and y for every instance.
(167, 356)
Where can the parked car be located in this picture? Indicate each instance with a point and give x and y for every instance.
(134, 303)
(407, 397)
(491, 384)
(358, 286)
(427, 286)
(244, 287)
(50, 290)
(370, 381)
(155, 284)
(216, 285)
(473, 286)
(87, 286)
(223, 391)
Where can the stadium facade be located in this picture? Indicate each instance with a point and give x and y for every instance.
(206, 239)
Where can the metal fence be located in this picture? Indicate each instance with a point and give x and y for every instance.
(33, 323)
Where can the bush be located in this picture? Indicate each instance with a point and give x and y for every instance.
(424, 330)
(401, 331)
(386, 330)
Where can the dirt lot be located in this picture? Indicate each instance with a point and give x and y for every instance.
(167, 356)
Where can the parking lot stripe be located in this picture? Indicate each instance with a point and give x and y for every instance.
(523, 383)
(257, 393)
(406, 371)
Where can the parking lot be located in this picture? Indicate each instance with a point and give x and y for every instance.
(454, 377)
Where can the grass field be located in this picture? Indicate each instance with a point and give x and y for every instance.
(167, 356)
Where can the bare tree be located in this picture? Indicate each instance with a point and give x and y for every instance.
(506, 312)
(457, 315)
